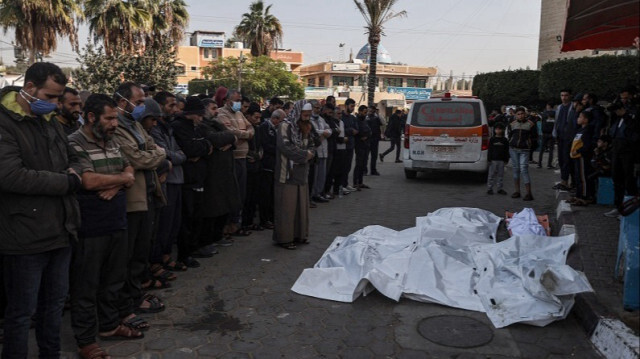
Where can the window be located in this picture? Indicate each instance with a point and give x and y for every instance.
(392, 81)
(342, 81)
(422, 83)
(311, 82)
(446, 114)
(194, 68)
(321, 81)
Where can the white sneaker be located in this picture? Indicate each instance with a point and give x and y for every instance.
(350, 189)
(612, 213)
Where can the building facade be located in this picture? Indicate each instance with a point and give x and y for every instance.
(204, 47)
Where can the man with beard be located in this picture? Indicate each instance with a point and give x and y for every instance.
(99, 268)
(210, 109)
(145, 157)
(69, 109)
(274, 104)
(171, 214)
(267, 137)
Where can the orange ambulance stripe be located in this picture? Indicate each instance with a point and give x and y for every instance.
(451, 131)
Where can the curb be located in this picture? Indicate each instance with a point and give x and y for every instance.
(612, 338)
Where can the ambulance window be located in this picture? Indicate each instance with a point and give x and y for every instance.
(446, 114)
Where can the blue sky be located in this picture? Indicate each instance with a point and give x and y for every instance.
(463, 36)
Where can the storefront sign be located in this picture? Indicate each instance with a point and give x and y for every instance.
(411, 93)
(210, 40)
(317, 92)
(345, 67)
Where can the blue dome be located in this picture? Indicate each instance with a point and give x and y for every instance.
(383, 55)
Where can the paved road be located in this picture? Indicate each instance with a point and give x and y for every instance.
(239, 303)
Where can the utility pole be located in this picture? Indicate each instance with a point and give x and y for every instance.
(240, 72)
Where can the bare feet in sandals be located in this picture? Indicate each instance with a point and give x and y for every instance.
(93, 351)
(122, 332)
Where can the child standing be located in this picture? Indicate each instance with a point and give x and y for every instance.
(498, 156)
(581, 151)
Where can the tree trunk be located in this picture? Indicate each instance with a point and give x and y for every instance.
(373, 69)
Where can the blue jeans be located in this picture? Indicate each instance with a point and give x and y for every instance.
(520, 161)
(35, 283)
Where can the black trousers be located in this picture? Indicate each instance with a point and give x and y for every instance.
(212, 230)
(547, 143)
(265, 203)
(622, 175)
(564, 159)
(170, 218)
(252, 198)
(347, 166)
(337, 172)
(192, 222)
(139, 230)
(374, 145)
(98, 275)
(395, 142)
(361, 164)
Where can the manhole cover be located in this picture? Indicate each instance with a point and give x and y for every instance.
(455, 331)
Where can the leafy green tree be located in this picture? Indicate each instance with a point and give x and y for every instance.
(262, 77)
(376, 14)
(259, 29)
(100, 72)
(38, 24)
(168, 17)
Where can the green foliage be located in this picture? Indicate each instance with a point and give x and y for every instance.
(603, 75)
(514, 87)
(199, 86)
(262, 77)
(102, 73)
(259, 29)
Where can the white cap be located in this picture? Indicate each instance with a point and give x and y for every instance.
(307, 107)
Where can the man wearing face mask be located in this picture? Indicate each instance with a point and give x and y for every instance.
(232, 118)
(145, 156)
(69, 110)
(39, 214)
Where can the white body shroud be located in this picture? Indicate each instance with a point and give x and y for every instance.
(451, 258)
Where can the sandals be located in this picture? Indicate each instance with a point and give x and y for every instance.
(155, 305)
(136, 323)
(175, 266)
(288, 245)
(561, 187)
(123, 332)
(158, 272)
(241, 233)
(154, 284)
(93, 351)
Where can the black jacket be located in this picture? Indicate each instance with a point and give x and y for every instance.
(498, 149)
(350, 124)
(394, 128)
(38, 207)
(363, 138)
(376, 126)
(193, 143)
(267, 135)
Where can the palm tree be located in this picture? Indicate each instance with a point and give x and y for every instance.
(38, 23)
(168, 17)
(259, 29)
(376, 13)
(120, 24)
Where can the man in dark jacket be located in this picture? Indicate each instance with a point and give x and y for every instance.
(39, 214)
(394, 134)
(191, 138)
(374, 122)
(267, 137)
(171, 214)
(361, 147)
(563, 133)
(548, 123)
(351, 130)
(520, 145)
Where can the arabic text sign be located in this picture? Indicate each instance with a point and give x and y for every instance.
(411, 93)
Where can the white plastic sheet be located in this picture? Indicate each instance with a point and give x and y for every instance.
(451, 258)
(525, 222)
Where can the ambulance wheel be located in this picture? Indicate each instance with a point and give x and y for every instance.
(409, 174)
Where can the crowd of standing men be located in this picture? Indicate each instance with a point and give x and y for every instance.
(96, 189)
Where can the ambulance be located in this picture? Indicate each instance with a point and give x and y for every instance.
(446, 134)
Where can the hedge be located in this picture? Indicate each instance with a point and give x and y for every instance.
(603, 75)
(514, 87)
